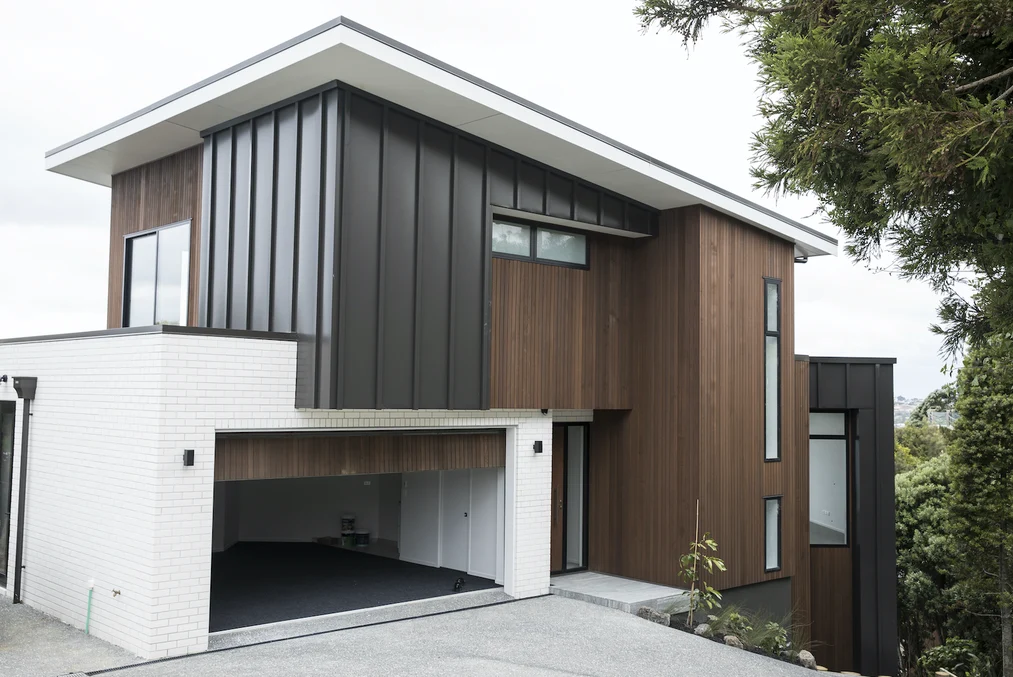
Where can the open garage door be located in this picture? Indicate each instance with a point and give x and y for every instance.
(425, 509)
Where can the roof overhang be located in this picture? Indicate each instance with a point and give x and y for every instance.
(346, 51)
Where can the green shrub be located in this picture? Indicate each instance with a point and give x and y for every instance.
(770, 637)
(959, 656)
(730, 621)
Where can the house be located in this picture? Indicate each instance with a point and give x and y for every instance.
(355, 289)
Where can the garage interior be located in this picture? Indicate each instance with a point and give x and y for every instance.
(428, 510)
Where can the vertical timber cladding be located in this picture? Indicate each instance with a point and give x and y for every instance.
(365, 229)
(155, 194)
(697, 327)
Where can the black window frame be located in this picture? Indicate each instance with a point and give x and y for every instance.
(850, 438)
(777, 335)
(780, 532)
(534, 227)
(127, 263)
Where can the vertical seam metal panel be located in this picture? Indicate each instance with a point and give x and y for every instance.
(251, 227)
(321, 224)
(274, 220)
(486, 263)
(232, 226)
(419, 261)
(381, 259)
(450, 263)
(339, 396)
(203, 308)
(297, 199)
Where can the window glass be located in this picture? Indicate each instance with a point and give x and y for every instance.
(173, 274)
(770, 398)
(510, 238)
(575, 482)
(772, 528)
(554, 245)
(828, 492)
(824, 423)
(772, 301)
(141, 280)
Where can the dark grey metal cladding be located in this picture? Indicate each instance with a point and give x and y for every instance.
(525, 185)
(865, 387)
(364, 228)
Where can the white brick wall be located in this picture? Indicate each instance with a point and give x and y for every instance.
(109, 498)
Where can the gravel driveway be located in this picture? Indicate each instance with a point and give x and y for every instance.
(544, 636)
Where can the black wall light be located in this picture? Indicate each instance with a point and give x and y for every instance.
(538, 446)
(3, 378)
(188, 457)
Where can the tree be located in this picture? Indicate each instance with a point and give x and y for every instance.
(897, 117)
(923, 441)
(981, 476)
(943, 399)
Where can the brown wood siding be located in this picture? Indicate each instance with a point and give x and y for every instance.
(696, 425)
(832, 626)
(560, 336)
(275, 457)
(155, 194)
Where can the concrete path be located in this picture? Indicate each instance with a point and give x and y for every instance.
(616, 592)
(540, 637)
(33, 644)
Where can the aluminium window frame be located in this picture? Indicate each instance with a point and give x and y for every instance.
(125, 281)
(533, 228)
(776, 334)
(780, 533)
(850, 437)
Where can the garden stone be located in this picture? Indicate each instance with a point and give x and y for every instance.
(703, 630)
(732, 640)
(654, 616)
(806, 659)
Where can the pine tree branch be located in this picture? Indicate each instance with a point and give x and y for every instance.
(761, 11)
(995, 76)
(1005, 94)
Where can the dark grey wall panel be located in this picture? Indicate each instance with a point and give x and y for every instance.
(364, 229)
(220, 228)
(434, 264)
(262, 223)
(360, 240)
(865, 388)
(467, 289)
(239, 271)
(285, 178)
(400, 192)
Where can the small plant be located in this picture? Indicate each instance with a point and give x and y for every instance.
(731, 621)
(772, 638)
(691, 568)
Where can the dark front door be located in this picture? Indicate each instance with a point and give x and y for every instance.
(568, 551)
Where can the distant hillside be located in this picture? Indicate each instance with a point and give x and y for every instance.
(902, 408)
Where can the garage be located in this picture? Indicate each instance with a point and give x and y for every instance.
(309, 524)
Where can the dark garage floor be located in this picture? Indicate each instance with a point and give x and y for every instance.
(255, 583)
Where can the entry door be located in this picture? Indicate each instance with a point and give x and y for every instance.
(568, 546)
(454, 532)
(6, 481)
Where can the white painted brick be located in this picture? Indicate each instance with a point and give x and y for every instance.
(109, 498)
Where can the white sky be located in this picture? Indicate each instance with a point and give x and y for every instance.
(67, 68)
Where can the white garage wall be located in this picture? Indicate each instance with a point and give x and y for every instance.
(485, 531)
(301, 509)
(420, 517)
(109, 497)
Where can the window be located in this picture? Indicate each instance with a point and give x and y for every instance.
(828, 478)
(772, 533)
(156, 276)
(772, 370)
(545, 245)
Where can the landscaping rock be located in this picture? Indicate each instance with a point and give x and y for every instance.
(704, 630)
(806, 659)
(732, 640)
(654, 616)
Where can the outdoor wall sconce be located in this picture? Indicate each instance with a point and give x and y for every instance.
(3, 378)
(538, 446)
(187, 458)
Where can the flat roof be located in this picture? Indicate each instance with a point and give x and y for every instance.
(344, 50)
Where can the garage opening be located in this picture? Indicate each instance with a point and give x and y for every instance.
(313, 524)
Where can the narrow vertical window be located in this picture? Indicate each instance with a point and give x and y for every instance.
(156, 276)
(772, 533)
(772, 369)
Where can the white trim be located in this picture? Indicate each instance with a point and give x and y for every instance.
(321, 57)
(566, 223)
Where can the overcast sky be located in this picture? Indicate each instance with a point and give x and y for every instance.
(67, 68)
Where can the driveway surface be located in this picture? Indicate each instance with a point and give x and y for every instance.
(544, 636)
